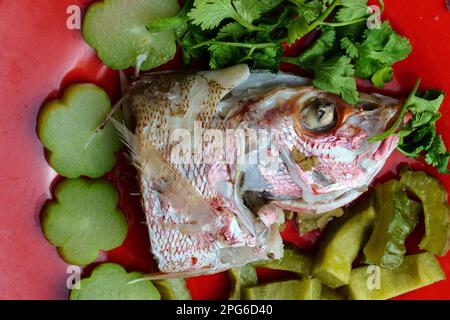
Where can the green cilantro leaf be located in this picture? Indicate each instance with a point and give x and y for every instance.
(318, 49)
(382, 76)
(83, 219)
(417, 141)
(194, 36)
(68, 128)
(352, 10)
(350, 48)
(232, 30)
(335, 75)
(268, 5)
(438, 156)
(311, 10)
(429, 101)
(381, 48)
(268, 58)
(222, 56)
(296, 29)
(208, 14)
(110, 281)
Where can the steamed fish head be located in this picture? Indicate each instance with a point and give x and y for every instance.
(326, 158)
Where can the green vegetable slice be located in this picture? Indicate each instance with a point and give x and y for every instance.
(344, 238)
(293, 260)
(378, 283)
(330, 294)
(435, 208)
(68, 128)
(173, 289)
(110, 281)
(117, 30)
(241, 278)
(397, 216)
(83, 219)
(308, 289)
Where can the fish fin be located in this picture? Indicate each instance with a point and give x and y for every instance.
(228, 78)
(170, 185)
(111, 112)
(182, 274)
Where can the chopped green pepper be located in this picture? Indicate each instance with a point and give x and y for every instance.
(173, 289)
(435, 208)
(293, 260)
(343, 241)
(240, 278)
(308, 289)
(378, 283)
(397, 217)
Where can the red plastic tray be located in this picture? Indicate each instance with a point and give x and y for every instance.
(39, 57)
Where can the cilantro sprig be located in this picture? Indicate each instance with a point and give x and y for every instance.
(418, 137)
(227, 32)
(348, 46)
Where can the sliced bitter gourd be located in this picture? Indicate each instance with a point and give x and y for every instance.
(343, 241)
(378, 283)
(435, 208)
(397, 217)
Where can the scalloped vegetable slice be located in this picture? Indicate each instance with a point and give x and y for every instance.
(68, 128)
(307, 289)
(117, 30)
(173, 289)
(110, 281)
(397, 216)
(378, 283)
(435, 208)
(241, 278)
(343, 240)
(83, 219)
(293, 260)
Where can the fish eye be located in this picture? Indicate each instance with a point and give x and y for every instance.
(319, 116)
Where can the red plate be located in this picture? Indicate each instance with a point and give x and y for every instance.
(39, 57)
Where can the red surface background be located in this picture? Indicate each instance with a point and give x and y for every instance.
(39, 57)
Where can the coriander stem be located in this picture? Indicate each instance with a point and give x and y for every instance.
(249, 26)
(235, 44)
(248, 56)
(324, 16)
(342, 24)
(402, 113)
(381, 5)
(291, 60)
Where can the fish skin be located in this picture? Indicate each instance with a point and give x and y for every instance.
(166, 102)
